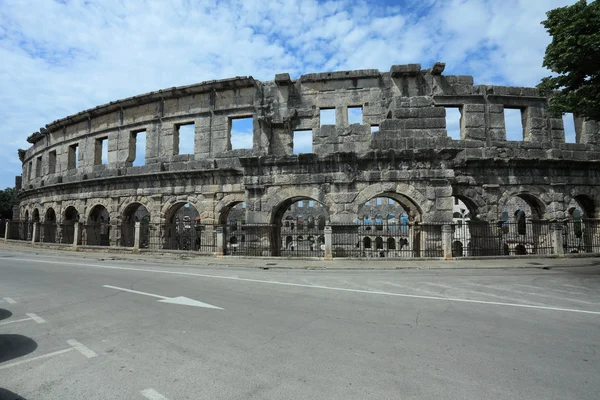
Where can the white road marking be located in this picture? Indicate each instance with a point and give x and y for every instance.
(157, 271)
(9, 300)
(152, 394)
(172, 300)
(15, 321)
(510, 290)
(81, 348)
(36, 318)
(548, 288)
(5, 366)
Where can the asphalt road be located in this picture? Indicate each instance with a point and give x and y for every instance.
(75, 328)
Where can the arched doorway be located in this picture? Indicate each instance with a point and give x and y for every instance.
(184, 230)
(389, 226)
(299, 228)
(97, 228)
(49, 226)
(522, 228)
(233, 218)
(67, 228)
(135, 212)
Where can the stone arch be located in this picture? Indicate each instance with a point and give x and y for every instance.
(222, 208)
(97, 226)
(278, 198)
(49, 226)
(131, 213)
(173, 204)
(70, 216)
(587, 201)
(411, 199)
(90, 207)
(35, 215)
(127, 202)
(538, 204)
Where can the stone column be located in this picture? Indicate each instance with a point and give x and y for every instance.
(447, 241)
(220, 241)
(34, 233)
(328, 241)
(76, 234)
(136, 237)
(6, 229)
(556, 236)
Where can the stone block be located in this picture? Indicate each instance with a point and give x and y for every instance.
(405, 70)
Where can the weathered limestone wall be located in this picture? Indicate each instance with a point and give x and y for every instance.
(409, 158)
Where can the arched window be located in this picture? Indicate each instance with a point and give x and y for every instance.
(367, 242)
(379, 243)
(391, 244)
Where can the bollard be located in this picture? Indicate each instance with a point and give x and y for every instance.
(136, 238)
(76, 233)
(557, 239)
(6, 229)
(220, 241)
(447, 241)
(34, 233)
(328, 243)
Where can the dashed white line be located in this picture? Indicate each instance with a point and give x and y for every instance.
(5, 366)
(158, 271)
(36, 318)
(152, 394)
(9, 300)
(81, 348)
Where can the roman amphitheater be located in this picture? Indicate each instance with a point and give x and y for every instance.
(380, 178)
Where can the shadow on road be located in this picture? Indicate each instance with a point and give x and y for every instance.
(5, 314)
(8, 395)
(14, 346)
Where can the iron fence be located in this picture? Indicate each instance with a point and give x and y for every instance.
(581, 236)
(302, 239)
(386, 240)
(20, 230)
(481, 238)
(183, 235)
(67, 233)
(96, 234)
(251, 240)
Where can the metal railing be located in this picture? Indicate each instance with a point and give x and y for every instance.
(481, 238)
(254, 240)
(386, 240)
(184, 235)
(581, 236)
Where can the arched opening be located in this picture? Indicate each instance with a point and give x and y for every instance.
(49, 226)
(25, 229)
(234, 218)
(521, 222)
(234, 213)
(67, 228)
(135, 212)
(457, 248)
(367, 242)
(524, 229)
(587, 206)
(182, 228)
(35, 216)
(395, 219)
(520, 250)
(97, 229)
(302, 219)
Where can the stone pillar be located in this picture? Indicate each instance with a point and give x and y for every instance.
(447, 241)
(220, 241)
(328, 242)
(136, 237)
(34, 233)
(6, 229)
(76, 234)
(556, 236)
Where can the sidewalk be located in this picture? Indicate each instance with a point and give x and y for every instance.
(191, 259)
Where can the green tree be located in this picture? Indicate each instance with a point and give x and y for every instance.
(574, 56)
(8, 199)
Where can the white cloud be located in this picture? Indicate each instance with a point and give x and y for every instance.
(59, 58)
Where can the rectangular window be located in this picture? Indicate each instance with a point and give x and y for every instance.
(453, 116)
(326, 116)
(302, 142)
(52, 162)
(301, 204)
(569, 125)
(378, 201)
(374, 128)
(73, 156)
(355, 115)
(137, 148)
(184, 138)
(30, 170)
(241, 133)
(101, 151)
(38, 167)
(513, 120)
(311, 203)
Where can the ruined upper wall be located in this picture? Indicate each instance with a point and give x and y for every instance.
(402, 109)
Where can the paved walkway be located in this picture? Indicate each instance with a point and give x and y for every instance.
(189, 258)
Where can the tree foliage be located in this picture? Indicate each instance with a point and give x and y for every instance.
(8, 199)
(574, 56)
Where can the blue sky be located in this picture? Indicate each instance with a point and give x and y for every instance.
(60, 57)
